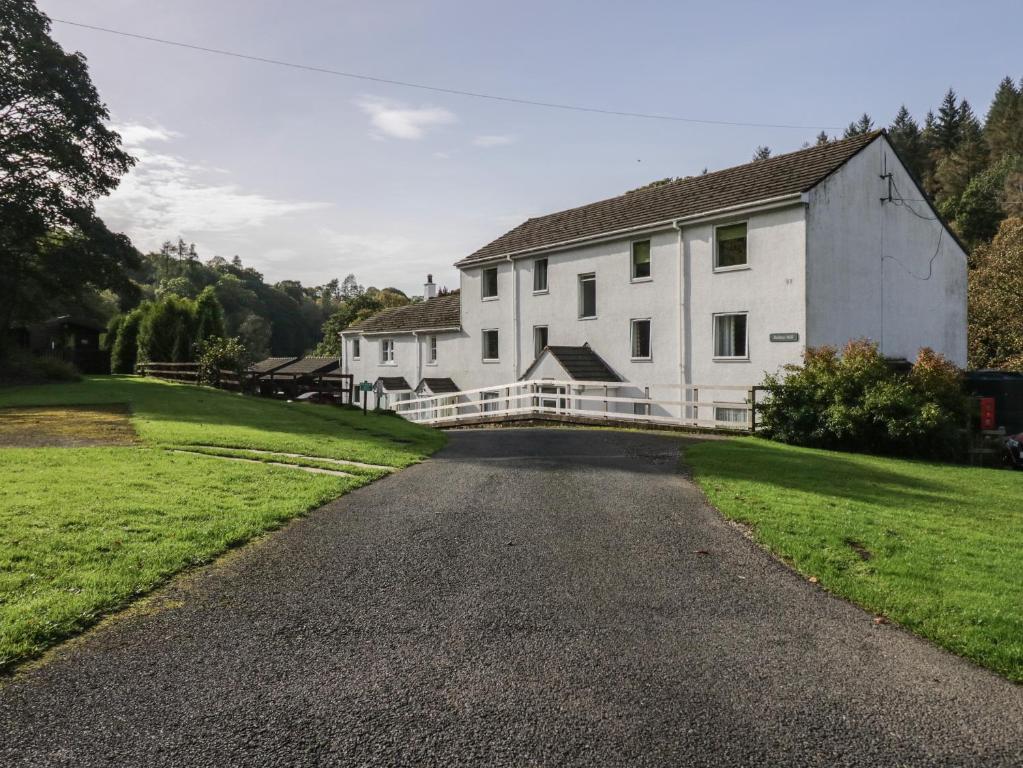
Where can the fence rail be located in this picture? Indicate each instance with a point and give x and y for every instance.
(697, 406)
(335, 385)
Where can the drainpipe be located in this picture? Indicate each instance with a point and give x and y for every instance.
(682, 373)
(419, 357)
(515, 318)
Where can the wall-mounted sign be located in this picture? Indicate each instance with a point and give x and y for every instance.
(784, 337)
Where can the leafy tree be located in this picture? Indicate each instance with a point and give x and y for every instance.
(996, 300)
(57, 156)
(166, 331)
(356, 308)
(981, 207)
(761, 153)
(254, 332)
(859, 127)
(124, 350)
(209, 317)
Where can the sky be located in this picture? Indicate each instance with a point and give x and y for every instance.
(308, 176)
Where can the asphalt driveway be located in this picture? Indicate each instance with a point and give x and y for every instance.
(528, 597)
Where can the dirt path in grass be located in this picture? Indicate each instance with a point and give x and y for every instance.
(528, 597)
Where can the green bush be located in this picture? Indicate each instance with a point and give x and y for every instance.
(855, 401)
(124, 348)
(216, 354)
(21, 367)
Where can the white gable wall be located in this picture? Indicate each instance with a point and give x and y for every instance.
(867, 260)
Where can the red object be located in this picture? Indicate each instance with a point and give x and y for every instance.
(987, 413)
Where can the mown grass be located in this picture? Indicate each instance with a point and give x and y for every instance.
(83, 531)
(934, 547)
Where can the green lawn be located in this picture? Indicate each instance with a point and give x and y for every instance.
(83, 531)
(934, 547)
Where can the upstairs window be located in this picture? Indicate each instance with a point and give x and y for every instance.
(387, 351)
(356, 349)
(641, 260)
(640, 339)
(490, 348)
(731, 246)
(490, 283)
(587, 296)
(730, 337)
(433, 349)
(540, 276)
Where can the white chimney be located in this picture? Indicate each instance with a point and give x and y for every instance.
(429, 289)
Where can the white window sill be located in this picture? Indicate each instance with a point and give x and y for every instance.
(590, 317)
(641, 359)
(433, 364)
(389, 365)
(491, 298)
(731, 359)
(641, 280)
(544, 292)
(356, 359)
(491, 360)
(736, 268)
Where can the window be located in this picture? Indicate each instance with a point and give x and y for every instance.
(640, 339)
(540, 276)
(587, 296)
(641, 260)
(433, 349)
(387, 351)
(731, 416)
(730, 336)
(539, 339)
(490, 349)
(731, 246)
(490, 283)
(489, 402)
(356, 349)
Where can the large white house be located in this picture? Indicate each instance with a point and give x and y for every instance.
(687, 291)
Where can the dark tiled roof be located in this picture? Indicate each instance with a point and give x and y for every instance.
(393, 383)
(271, 364)
(581, 363)
(310, 365)
(439, 386)
(441, 312)
(782, 175)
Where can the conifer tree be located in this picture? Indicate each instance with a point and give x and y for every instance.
(905, 136)
(1002, 130)
(859, 127)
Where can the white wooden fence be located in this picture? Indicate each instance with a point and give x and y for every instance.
(582, 400)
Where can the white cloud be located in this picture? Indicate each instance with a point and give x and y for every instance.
(497, 140)
(400, 122)
(134, 135)
(164, 196)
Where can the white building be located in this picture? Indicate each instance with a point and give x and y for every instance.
(688, 291)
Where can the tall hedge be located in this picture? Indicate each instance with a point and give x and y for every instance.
(124, 349)
(167, 329)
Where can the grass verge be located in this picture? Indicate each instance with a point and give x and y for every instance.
(85, 530)
(933, 547)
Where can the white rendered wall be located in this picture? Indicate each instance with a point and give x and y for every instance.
(867, 263)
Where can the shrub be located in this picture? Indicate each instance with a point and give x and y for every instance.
(216, 354)
(21, 367)
(124, 349)
(855, 401)
(165, 334)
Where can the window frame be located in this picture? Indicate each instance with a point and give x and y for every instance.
(733, 267)
(484, 296)
(356, 348)
(486, 398)
(633, 277)
(483, 351)
(386, 344)
(538, 350)
(431, 350)
(714, 339)
(649, 340)
(546, 276)
(584, 278)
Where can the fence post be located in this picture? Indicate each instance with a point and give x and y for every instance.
(751, 412)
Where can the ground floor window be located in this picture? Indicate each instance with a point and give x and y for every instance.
(539, 339)
(356, 349)
(489, 402)
(730, 336)
(731, 416)
(640, 339)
